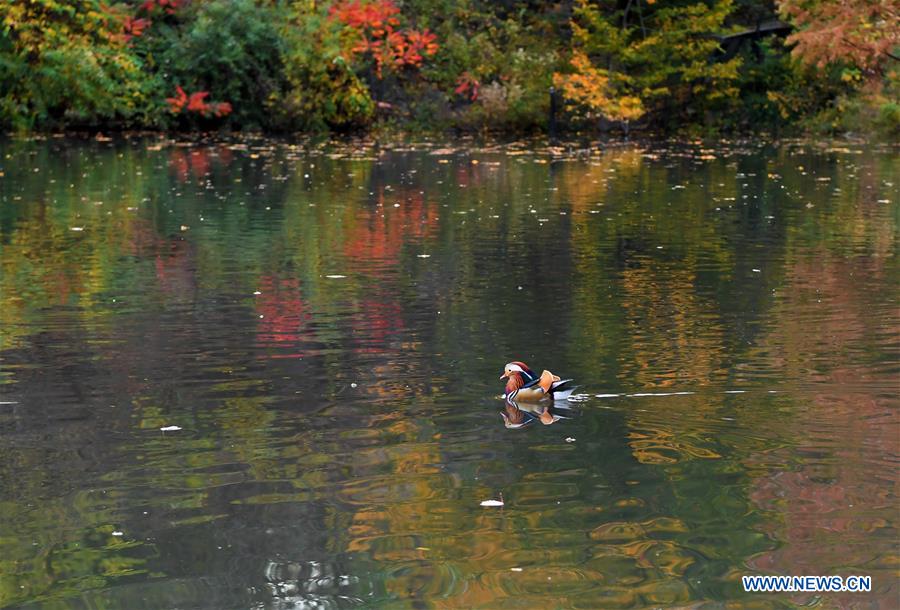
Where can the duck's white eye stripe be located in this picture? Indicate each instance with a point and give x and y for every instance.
(515, 367)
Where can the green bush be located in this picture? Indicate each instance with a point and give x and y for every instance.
(64, 64)
(229, 48)
(323, 91)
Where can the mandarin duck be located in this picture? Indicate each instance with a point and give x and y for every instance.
(524, 385)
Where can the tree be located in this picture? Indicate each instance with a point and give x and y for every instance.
(648, 59)
(864, 33)
(65, 62)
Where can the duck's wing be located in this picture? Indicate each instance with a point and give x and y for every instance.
(562, 389)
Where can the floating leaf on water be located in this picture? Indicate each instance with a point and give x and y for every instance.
(170, 428)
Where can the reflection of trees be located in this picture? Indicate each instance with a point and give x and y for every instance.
(832, 498)
(649, 289)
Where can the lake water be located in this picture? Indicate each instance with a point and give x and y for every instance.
(326, 324)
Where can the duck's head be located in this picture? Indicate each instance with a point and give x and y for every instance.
(514, 368)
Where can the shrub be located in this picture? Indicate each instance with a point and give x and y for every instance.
(66, 63)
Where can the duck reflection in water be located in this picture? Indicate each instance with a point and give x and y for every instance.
(516, 415)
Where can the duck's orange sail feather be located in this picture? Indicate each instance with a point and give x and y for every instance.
(547, 379)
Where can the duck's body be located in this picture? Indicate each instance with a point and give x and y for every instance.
(524, 385)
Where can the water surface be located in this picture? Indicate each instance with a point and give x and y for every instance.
(326, 324)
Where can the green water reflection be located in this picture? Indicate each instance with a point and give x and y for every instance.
(326, 324)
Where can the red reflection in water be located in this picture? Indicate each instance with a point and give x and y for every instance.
(382, 230)
(197, 162)
(285, 315)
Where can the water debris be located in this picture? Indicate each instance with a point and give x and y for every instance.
(335, 276)
(76, 229)
(184, 227)
(257, 292)
(756, 270)
(170, 429)
(118, 533)
(570, 439)
(493, 502)
(515, 569)
(423, 255)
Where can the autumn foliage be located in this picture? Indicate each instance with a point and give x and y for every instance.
(449, 64)
(376, 27)
(591, 87)
(864, 33)
(196, 103)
